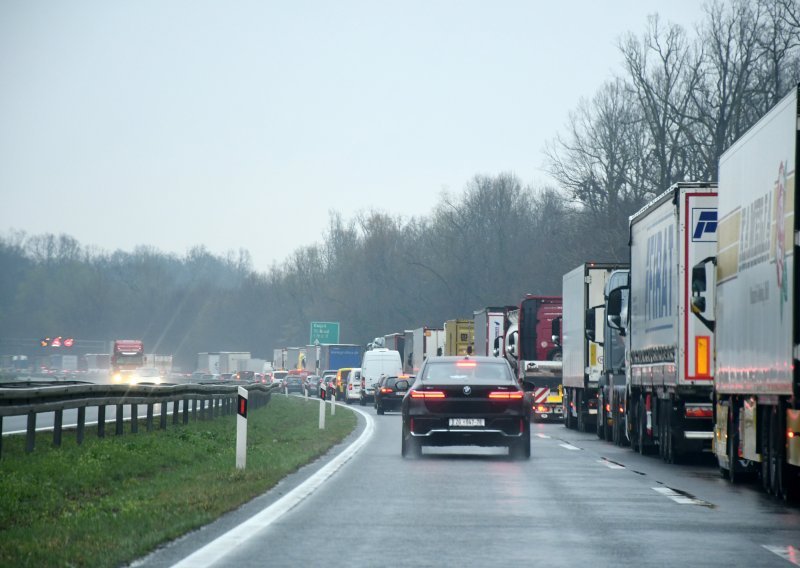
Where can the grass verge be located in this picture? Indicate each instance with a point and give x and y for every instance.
(113, 500)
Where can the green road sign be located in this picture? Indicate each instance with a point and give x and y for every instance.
(324, 332)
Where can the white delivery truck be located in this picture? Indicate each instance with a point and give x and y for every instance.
(671, 367)
(582, 342)
(757, 383)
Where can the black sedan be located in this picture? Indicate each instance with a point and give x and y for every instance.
(390, 392)
(466, 401)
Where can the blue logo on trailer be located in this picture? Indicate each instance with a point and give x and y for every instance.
(704, 225)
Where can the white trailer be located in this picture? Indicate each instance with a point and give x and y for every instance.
(490, 328)
(668, 403)
(428, 342)
(582, 343)
(757, 385)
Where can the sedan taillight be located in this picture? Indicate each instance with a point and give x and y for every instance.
(506, 395)
(427, 394)
(385, 390)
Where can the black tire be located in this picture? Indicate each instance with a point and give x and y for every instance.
(521, 449)
(361, 401)
(379, 410)
(581, 424)
(765, 416)
(409, 446)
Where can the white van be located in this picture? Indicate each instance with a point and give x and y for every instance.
(377, 363)
(353, 391)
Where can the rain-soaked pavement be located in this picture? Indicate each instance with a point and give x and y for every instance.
(579, 501)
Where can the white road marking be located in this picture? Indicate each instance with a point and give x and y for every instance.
(677, 497)
(569, 447)
(219, 548)
(611, 465)
(789, 553)
(543, 436)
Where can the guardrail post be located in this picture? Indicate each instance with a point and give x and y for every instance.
(194, 409)
(1, 436)
(175, 411)
(149, 416)
(163, 417)
(30, 440)
(118, 431)
(101, 421)
(201, 412)
(81, 424)
(134, 418)
(185, 410)
(58, 420)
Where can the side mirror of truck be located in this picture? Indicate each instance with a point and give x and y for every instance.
(555, 331)
(589, 329)
(614, 309)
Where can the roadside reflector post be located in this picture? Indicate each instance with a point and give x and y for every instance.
(333, 405)
(241, 429)
(321, 414)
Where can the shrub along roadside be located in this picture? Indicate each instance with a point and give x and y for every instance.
(113, 500)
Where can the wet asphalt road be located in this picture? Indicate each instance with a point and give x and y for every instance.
(579, 501)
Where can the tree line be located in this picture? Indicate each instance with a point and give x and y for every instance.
(679, 99)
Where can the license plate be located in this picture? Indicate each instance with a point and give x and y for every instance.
(466, 422)
(544, 415)
(399, 393)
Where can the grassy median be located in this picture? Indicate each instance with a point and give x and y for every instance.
(113, 500)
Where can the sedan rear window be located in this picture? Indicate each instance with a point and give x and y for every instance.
(460, 371)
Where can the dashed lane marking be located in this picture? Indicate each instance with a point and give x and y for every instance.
(569, 447)
(789, 553)
(611, 465)
(543, 436)
(682, 498)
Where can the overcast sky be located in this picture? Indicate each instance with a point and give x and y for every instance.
(242, 124)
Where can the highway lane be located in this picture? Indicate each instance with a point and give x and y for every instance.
(578, 501)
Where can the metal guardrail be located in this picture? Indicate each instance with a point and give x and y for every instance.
(33, 398)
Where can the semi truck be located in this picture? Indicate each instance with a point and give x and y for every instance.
(208, 363)
(459, 337)
(582, 343)
(538, 352)
(333, 357)
(671, 353)
(490, 329)
(425, 342)
(612, 388)
(229, 361)
(756, 288)
(126, 355)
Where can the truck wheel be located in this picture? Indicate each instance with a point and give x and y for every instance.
(764, 432)
(361, 401)
(579, 411)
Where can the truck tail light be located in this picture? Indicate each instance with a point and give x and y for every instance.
(506, 395)
(427, 394)
(698, 411)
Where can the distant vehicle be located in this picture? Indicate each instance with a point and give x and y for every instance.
(144, 375)
(149, 375)
(353, 386)
(472, 401)
(312, 385)
(279, 376)
(197, 376)
(459, 337)
(378, 362)
(327, 386)
(226, 376)
(341, 383)
(127, 355)
(294, 383)
(210, 377)
(388, 395)
(245, 376)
